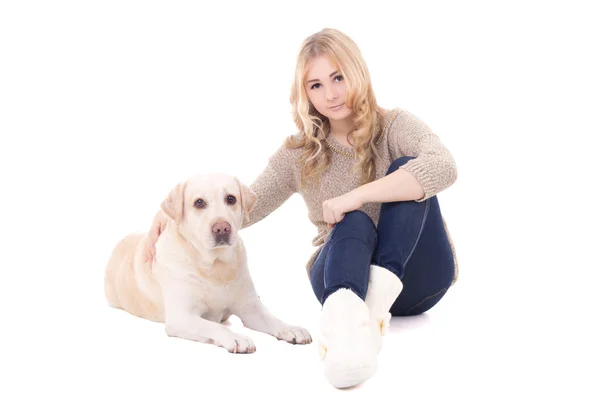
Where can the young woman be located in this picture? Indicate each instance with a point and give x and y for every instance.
(369, 177)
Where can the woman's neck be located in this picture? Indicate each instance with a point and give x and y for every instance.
(340, 131)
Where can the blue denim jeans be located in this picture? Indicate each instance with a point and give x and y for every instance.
(410, 241)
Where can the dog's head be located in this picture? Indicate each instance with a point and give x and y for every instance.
(209, 209)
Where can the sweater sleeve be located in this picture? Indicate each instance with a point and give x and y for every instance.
(433, 165)
(273, 186)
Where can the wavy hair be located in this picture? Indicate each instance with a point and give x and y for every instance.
(313, 127)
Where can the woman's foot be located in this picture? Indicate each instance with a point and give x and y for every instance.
(348, 349)
(384, 288)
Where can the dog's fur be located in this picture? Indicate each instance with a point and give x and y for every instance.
(199, 276)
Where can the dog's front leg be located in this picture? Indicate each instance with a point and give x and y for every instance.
(254, 315)
(183, 320)
(193, 327)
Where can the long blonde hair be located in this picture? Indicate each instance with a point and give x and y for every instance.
(313, 126)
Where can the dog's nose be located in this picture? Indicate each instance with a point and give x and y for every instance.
(220, 228)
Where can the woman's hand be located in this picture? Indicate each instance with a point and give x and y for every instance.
(334, 209)
(158, 226)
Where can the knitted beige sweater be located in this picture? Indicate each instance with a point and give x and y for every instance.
(403, 135)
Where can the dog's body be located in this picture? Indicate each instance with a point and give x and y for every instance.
(199, 276)
(129, 280)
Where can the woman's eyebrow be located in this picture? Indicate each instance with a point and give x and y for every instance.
(330, 75)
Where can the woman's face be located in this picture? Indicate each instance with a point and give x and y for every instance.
(326, 89)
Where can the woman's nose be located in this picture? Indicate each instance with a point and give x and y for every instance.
(330, 93)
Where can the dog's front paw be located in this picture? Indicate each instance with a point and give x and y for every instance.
(294, 335)
(235, 343)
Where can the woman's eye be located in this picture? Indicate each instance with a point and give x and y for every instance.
(315, 86)
(339, 78)
(231, 199)
(199, 203)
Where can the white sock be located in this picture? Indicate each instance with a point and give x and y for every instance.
(348, 350)
(384, 288)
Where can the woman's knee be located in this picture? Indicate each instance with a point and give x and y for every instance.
(356, 224)
(397, 163)
(356, 220)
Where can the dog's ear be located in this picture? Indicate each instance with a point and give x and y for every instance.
(172, 205)
(248, 199)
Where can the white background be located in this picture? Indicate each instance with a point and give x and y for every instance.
(106, 105)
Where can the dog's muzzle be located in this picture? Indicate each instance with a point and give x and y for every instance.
(221, 233)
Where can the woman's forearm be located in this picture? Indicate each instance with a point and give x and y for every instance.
(400, 185)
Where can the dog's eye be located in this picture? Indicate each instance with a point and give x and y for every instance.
(231, 199)
(199, 203)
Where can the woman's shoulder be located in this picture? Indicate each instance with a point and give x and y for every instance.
(399, 120)
(288, 150)
(388, 117)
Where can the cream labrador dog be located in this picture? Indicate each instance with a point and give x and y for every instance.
(199, 276)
